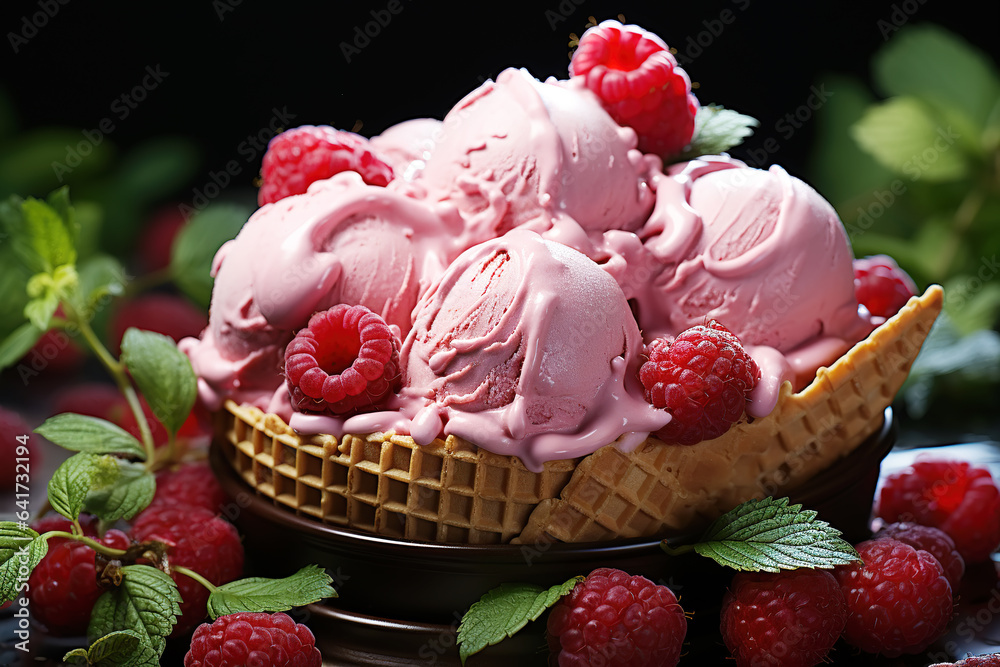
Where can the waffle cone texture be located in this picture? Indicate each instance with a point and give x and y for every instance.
(453, 491)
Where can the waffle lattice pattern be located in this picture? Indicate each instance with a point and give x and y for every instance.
(660, 488)
(448, 491)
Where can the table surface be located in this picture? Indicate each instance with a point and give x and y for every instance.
(975, 627)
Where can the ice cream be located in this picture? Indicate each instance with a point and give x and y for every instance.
(528, 345)
(407, 145)
(518, 152)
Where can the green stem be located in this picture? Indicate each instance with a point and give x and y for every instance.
(117, 371)
(89, 541)
(180, 569)
(676, 551)
(962, 220)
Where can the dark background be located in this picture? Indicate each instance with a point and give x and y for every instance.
(230, 63)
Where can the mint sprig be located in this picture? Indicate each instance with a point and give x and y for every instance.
(258, 594)
(505, 610)
(770, 535)
(74, 480)
(163, 374)
(80, 433)
(148, 603)
(21, 549)
(131, 492)
(716, 130)
(114, 649)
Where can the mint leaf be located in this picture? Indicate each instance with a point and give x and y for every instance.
(21, 549)
(71, 483)
(503, 611)
(39, 311)
(100, 276)
(900, 131)
(114, 649)
(769, 535)
(163, 374)
(17, 344)
(147, 603)
(256, 594)
(80, 433)
(196, 245)
(716, 130)
(77, 656)
(130, 493)
(52, 236)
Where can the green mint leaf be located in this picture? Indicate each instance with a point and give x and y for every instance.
(129, 493)
(898, 132)
(52, 236)
(80, 433)
(17, 344)
(21, 549)
(73, 480)
(100, 276)
(77, 656)
(716, 130)
(115, 649)
(770, 535)
(17, 236)
(257, 594)
(196, 245)
(163, 374)
(147, 603)
(39, 311)
(503, 611)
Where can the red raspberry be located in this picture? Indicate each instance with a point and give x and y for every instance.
(157, 239)
(261, 640)
(640, 84)
(198, 540)
(613, 618)
(165, 314)
(192, 484)
(345, 360)
(898, 601)
(791, 618)
(54, 521)
(960, 499)
(990, 660)
(303, 155)
(932, 540)
(63, 587)
(703, 378)
(881, 286)
(12, 427)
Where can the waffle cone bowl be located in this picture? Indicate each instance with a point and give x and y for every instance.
(452, 491)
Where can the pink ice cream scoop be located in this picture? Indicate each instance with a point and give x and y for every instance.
(759, 251)
(527, 345)
(341, 242)
(518, 152)
(408, 145)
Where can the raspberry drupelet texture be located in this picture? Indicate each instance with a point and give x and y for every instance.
(881, 286)
(932, 540)
(960, 499)
(785, 619)
(988, 660)
(191, 484)
(301, 156)
(703, 378)
(345, 360)
(257, 640)
(613, 618)
(63, 587)
(639, 83)
(898, 600)
(198, 540)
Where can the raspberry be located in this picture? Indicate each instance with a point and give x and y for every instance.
(703, 378)
(989, 660)
(640, 85)
(198, 540)
(260, 640)
(300, 156)
(898, 601)
(791, 618)
(63, 587)
(881, 286)
(932, 540)
(55, 521)
(960, 499)
(612, 618)
(192, 484)
(12, 427)
(157, 239)
(345, 360)
(165, 314)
